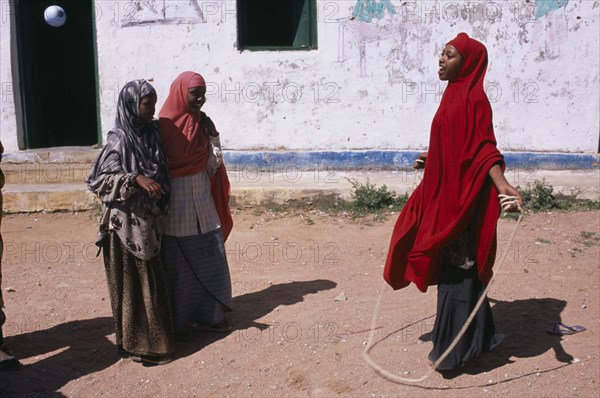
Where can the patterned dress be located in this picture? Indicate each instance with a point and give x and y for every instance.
(129, 231)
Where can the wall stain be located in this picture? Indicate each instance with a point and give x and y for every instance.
(160, 12)
(545, 7)
(367, 10)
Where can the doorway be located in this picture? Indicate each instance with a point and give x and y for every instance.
(57, 72)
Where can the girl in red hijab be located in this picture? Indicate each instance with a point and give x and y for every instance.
(446, 233)
(199, 221)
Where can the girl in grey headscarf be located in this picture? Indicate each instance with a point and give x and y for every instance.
(131, 179)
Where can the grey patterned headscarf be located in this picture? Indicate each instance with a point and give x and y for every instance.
(143, 152)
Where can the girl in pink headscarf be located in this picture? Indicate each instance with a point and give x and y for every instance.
(199, 220)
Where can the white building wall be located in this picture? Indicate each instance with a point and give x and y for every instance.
(370, 85)
(8, 120)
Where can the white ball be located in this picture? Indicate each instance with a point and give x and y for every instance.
(55, 16)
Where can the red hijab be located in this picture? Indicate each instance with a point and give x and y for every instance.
(183, 133)
(455, 189)
(185, 138)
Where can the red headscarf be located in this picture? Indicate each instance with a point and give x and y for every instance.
(185, 138)
(456, 188)
(183, 133)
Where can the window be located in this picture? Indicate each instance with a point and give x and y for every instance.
(277, 24)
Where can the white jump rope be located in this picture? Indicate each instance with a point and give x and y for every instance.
(506, 202)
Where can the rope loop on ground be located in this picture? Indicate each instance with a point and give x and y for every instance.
(506, 202)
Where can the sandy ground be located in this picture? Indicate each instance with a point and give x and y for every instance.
(291, 337)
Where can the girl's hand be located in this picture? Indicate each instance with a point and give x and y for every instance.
(420, 162)
(505, 190)
(149, 185)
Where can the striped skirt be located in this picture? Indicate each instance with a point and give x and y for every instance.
(198, 277)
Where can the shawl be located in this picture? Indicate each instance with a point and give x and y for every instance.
(185, 137)
(142, 151)
(455, 189)
(132, 148)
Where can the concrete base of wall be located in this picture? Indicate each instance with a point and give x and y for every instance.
(280, 188)
(54, 180)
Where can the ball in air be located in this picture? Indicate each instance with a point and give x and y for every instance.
(55, 16)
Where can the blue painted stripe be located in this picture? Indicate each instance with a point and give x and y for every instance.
(364, 160)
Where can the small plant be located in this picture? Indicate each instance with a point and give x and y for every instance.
(544, 241)
(539, 196)
(574, 251)
(589, 238)
(368, 197)
(400, 200)
(586, 234)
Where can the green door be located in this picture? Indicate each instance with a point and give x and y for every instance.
(57, 73)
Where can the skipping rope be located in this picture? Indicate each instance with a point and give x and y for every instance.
(506, 202)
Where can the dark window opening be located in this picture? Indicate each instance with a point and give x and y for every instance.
(277, 24)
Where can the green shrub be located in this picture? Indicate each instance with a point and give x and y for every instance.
(540, 196)
(368, 197)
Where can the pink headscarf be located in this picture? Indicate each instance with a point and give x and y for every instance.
(183, 133)
(197, 81)
(185, 140)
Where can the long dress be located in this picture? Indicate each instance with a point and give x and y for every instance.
(199, 220)
(446, 232)
(129, 232)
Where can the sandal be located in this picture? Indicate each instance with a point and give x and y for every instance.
(560, 329)
(123, 353)
(151, 360)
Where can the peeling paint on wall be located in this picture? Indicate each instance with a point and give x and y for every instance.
(371, 84)
(356, 35)
(545, 7)
(367, 10)
(548, 34)
(163, 12)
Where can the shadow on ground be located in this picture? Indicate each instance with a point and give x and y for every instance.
(524, 322)
(249, 307)
(66, 352)
(74, 349)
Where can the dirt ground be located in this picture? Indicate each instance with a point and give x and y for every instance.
(292, 337)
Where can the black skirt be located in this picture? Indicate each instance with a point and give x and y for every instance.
(458, 292)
